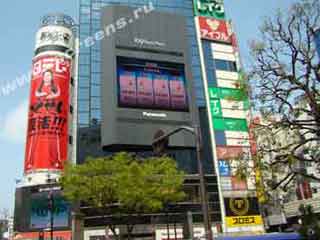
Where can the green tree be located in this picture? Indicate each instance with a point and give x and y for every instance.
(285, 82)
(135, 186)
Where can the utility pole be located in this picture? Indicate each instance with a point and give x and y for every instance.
(161, 140)
(51, 209)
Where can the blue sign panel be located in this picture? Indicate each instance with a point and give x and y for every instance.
(317, 40)
(224, 168)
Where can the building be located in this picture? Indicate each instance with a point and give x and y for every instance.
(50, 132)
(281, 210)
(221, 106)
(144, 69)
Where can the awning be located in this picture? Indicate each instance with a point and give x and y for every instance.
(272, 236)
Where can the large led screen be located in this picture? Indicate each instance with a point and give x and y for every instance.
(40, 212)
(151, 85)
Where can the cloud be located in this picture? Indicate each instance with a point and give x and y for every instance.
(15, 124)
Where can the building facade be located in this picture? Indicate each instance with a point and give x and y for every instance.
(221, 106)
(50, 132)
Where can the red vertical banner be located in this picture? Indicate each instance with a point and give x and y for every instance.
(47, 134)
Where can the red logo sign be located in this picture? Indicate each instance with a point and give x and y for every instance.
(216, 30)
(238, 184)
(47, 136)
(226, 153)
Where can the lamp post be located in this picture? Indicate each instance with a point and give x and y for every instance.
(51, 209)
(204, 201)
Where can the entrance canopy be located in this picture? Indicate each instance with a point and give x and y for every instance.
(272, 236)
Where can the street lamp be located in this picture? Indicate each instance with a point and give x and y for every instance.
(51, 209)
(204, 201)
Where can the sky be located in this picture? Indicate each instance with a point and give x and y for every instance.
(19, 21)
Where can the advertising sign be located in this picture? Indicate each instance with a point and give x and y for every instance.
(47, 136)
(244, 221)
(145, 95)
(317, 40)
(228, 152)
(61, 235)
(55, 35)
(215, 30)
(215, 106)
(224, 168)
(151, 85)
(40, 213)
(230, 124)
(227, 94)
(238, 184)
(238, 142)
(127, 89)
(241, 207)
(209, 8)
(161, 91)
(226, 183)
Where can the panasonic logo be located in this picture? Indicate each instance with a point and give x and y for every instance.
(159, 115)
(141, 42)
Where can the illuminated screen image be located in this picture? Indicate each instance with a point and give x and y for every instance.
(40, 212)
(151, 85)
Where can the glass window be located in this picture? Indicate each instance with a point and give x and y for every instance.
(84, 59)
(85, 28)
(96, 114)
(95, 103)
(84, 70)
(83, 93)
(225, 65)
(84, 81)
(95, 78)
(95, 91)
(84, 118)
(83, 106)
(96, 67)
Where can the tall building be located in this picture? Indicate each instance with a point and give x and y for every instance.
(217, 81)
(50, 131)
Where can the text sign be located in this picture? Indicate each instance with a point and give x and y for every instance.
(230, 124)
(244, 221)
(224, 168)
(209, 8)
(215, 30)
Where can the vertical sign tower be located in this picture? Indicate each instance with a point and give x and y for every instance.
(229, 116)
(51, 128)
(49, 134)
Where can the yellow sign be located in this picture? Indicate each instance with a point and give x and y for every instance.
(244, 221)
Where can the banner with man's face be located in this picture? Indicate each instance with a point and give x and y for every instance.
(47, 136)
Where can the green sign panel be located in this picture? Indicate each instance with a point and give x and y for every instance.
(209, 8)
(216, 110)
(227, 94)
(230, 124)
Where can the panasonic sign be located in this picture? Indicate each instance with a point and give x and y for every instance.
(158, 115)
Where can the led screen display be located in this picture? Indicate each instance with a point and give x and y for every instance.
(151, 85)
(40, 212)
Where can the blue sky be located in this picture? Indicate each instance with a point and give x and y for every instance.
(19, 21)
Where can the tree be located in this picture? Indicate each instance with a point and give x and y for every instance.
(285, 80)
(310, 228)
(135, 186)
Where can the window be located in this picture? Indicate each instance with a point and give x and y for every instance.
(225, 65)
